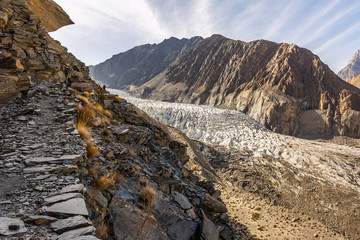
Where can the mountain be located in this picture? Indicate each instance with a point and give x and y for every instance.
(355, 81)
(140, 64)
(352, 69)
(286, 88)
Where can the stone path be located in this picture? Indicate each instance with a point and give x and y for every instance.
(41, 194)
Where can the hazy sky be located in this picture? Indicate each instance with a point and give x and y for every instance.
(329, 28)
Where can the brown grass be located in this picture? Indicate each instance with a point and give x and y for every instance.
(102, 230)
(107, 113)
(85, 115)
(99, 108)
(93, 169)
(105, 120)
(84, 99)
(87, 94)
(117, 99)
(148, 195)
(83, 131)
(92, 149)
(104, 182)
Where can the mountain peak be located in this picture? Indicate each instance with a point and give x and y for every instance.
(352, 69)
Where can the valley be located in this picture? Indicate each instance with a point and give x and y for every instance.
(318, 178)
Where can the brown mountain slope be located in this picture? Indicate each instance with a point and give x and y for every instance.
(355, 81)
(285, 87)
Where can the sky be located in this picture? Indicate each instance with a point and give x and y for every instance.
(103, 28)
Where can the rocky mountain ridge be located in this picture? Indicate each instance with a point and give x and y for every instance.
(352, 69)
(138, 65)
(355, 81)
(282, 86)
(77, 162)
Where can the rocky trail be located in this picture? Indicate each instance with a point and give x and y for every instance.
(39, 145)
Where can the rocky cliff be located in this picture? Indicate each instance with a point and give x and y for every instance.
(352, 69)
(140, 64)
(27, 52)
(283, 86)
(77, 163)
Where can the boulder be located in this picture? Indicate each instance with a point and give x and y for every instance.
(129, 222)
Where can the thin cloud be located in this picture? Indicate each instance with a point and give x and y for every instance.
(317, 34)
(337, 38)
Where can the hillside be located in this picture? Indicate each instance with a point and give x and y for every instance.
(352, 69)
(138, 65)
(284, 87)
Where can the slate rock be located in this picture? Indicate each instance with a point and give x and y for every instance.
(40, 219)
(128, 220)
(11, 226)
(182, 230)
(74, 206)
(62, 197)
(76, 233)
(213, 205)
(181, 200)
(68, 224)
(72, 188)
(207, 230)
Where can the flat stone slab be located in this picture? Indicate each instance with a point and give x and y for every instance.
(68, 224)
(181, 200)
(11, 226)
(76, 233)
(42, 160)
(72, 188)
(40, 219)
(74, 206)
(87, 237)
(57, 169)
(62, 197)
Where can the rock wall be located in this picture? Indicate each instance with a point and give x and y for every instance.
(27, 52)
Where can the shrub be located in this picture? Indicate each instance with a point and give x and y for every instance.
(92, 149)
(107, 113)
(85, 115)
(117, 99)
(104, 182)
(83, 131)
(87, 94)
(148, 195)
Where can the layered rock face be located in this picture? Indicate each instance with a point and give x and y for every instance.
(27, 52)
(352, 69)
(284, 87)
(140, 64)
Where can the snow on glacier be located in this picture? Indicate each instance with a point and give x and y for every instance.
(232, 128)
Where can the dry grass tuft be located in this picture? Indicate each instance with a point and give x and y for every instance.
(102, 230)
(106, 133)
(83, 131)
(105, 120)
(148, 195)
(107, 113)
(99, 108)
(117, 99)
(104, 182)
(144, 181)
(85, 115)
(92, 149)
(93, 169)
(87, 94)
(83, 99)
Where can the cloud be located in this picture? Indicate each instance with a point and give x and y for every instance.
(325, 46)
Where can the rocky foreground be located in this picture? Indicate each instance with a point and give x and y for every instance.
(316, 178)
